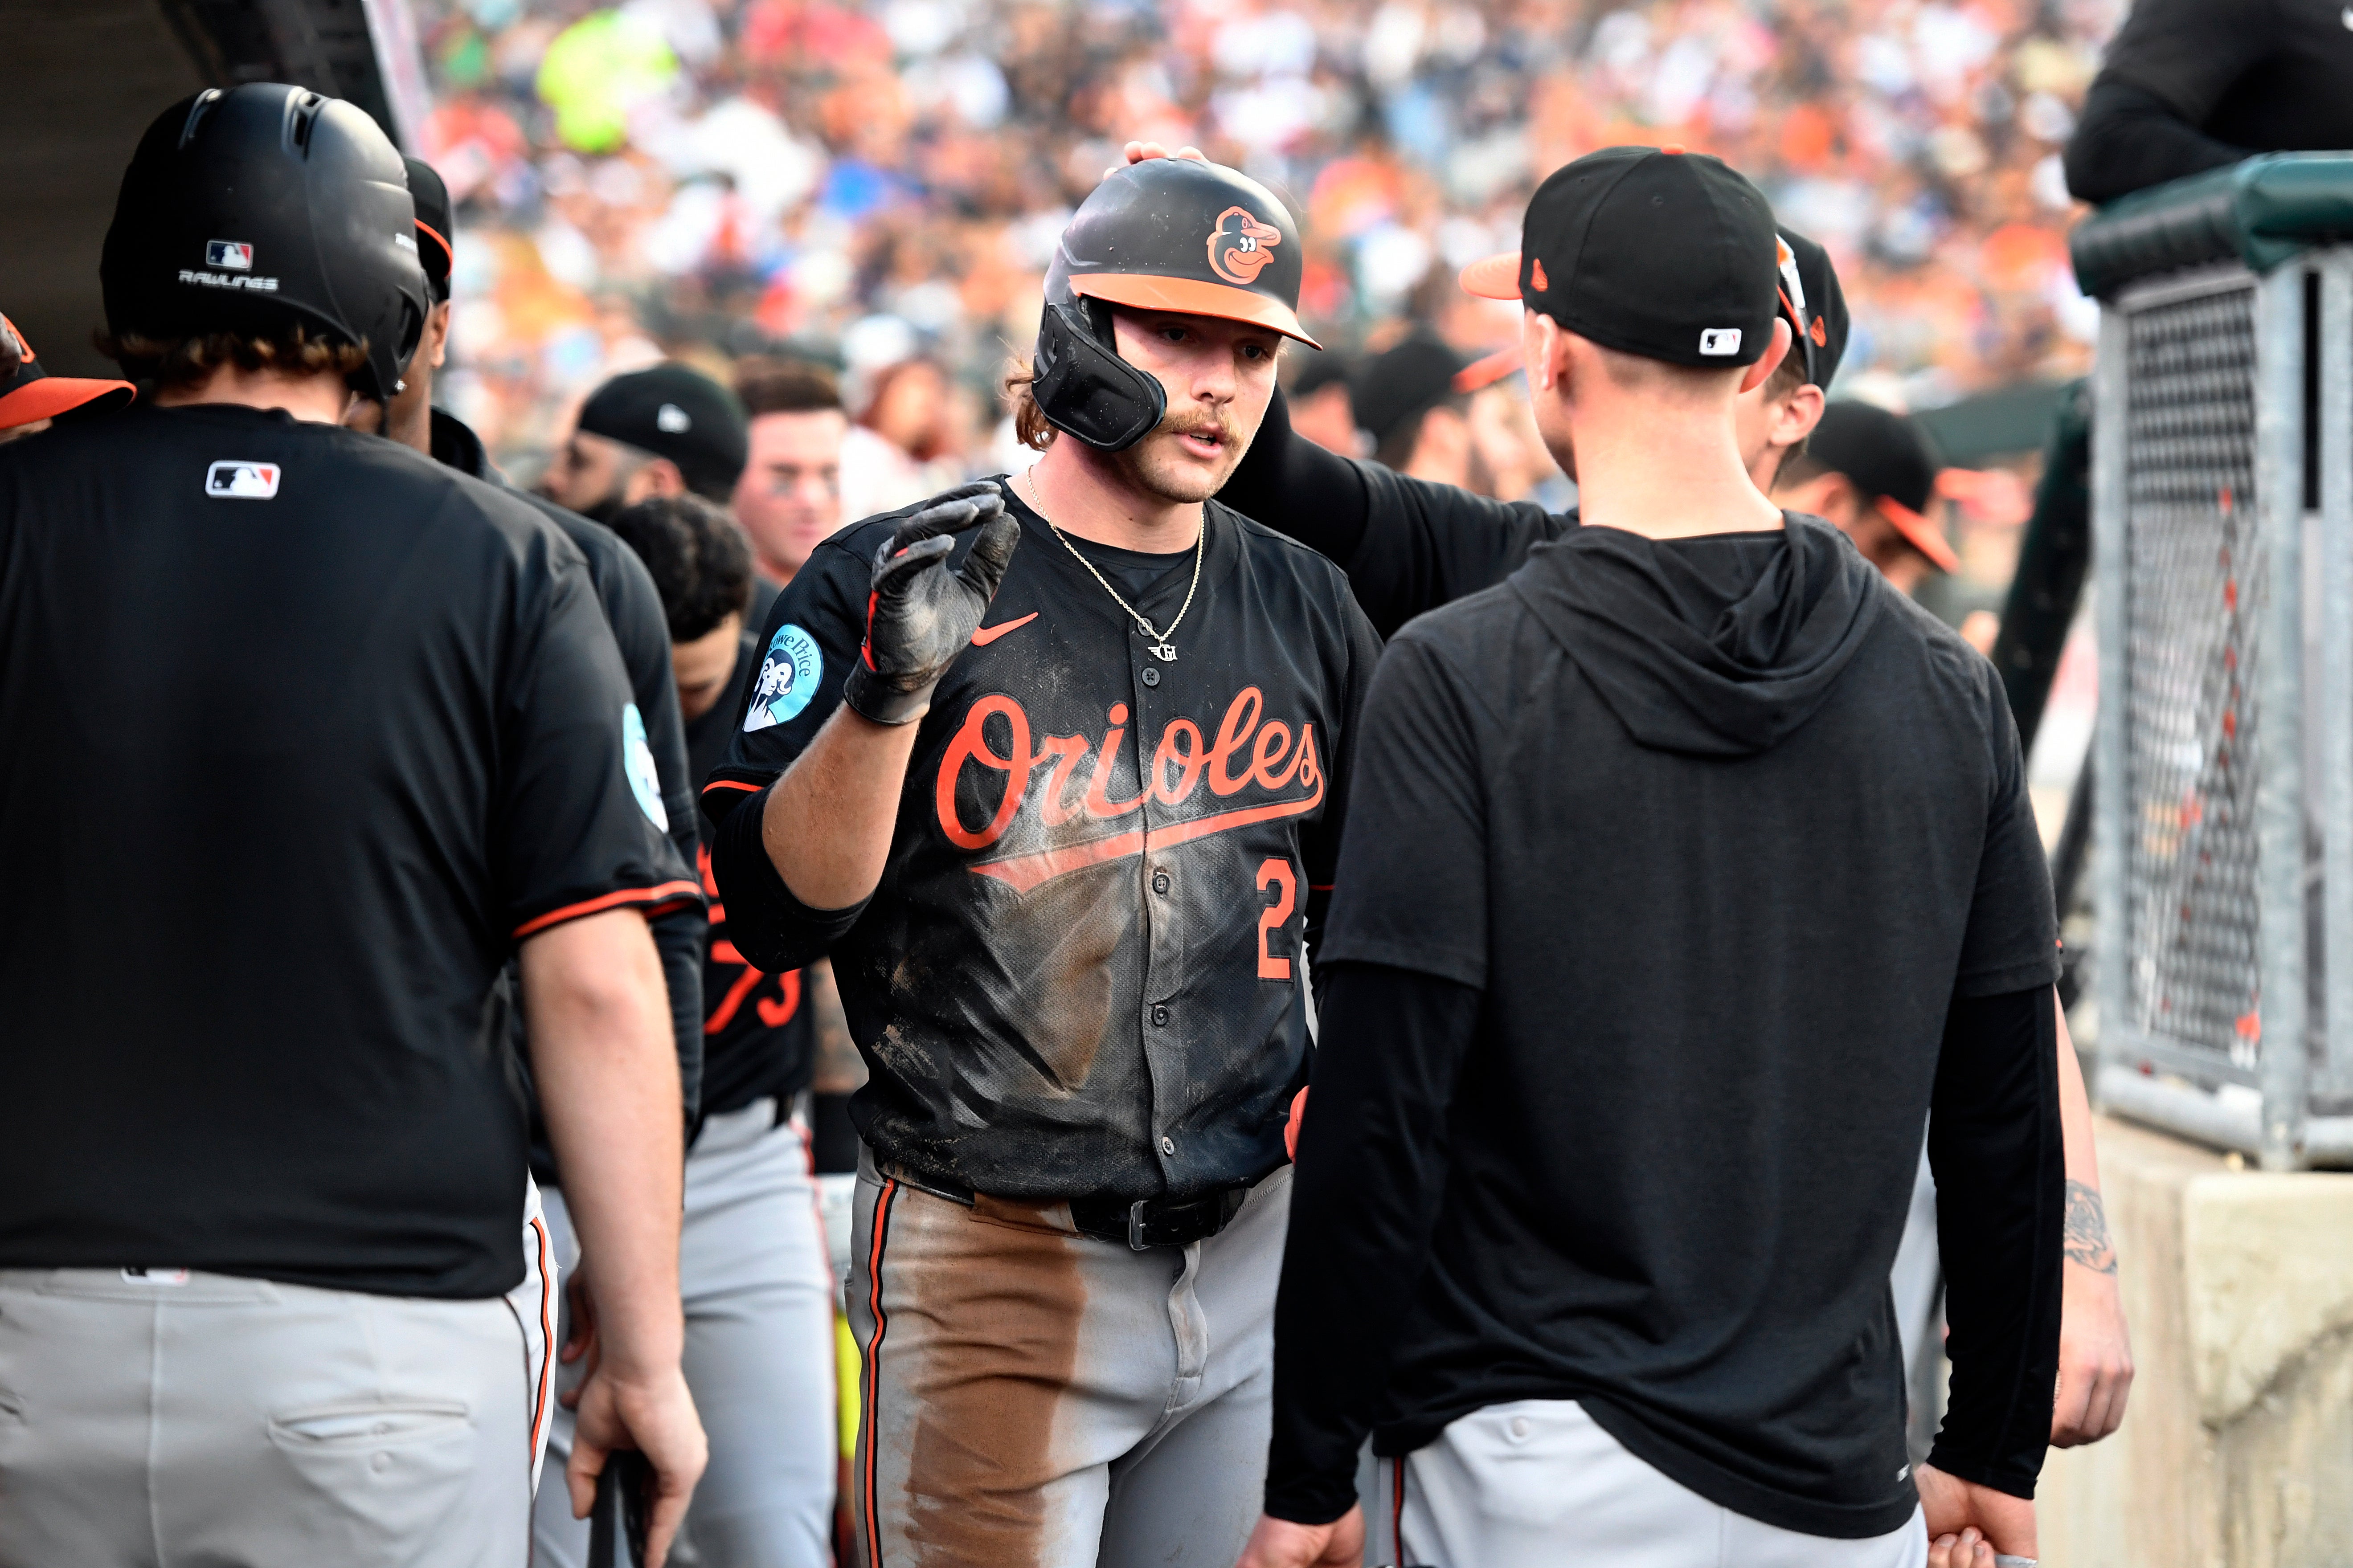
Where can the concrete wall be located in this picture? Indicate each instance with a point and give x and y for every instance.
(2237, 1449)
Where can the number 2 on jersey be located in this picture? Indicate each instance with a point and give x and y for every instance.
(1275, 872)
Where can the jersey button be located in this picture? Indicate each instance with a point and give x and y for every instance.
(1160, 882)
(1168, 1145)
(1160, 1015)
(1151, 676)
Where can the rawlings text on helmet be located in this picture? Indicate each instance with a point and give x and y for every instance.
(1240, 246)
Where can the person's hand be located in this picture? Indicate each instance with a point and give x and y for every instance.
(919, 614)
(1966, 1549)
(580, 1339)
(1963, 1516)
(1141, 151)
(2096, 1364)
(652, 1412)
(1279, 1543)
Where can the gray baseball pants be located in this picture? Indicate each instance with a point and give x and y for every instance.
(1035, 1398)
(1537, 1483)
(169, 1416)
(759, 1357)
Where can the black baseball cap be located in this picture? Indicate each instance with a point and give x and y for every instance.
(28, 393)
(678, 412)
(1650, 251)
(435, 225)
(1814, 305)
(1408, 379)
(1893, 465)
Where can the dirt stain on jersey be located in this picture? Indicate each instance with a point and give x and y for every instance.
(991, 1321)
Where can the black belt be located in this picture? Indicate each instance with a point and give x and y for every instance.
(1142, 1224)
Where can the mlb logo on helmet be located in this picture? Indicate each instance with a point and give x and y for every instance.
(231, 255)
(231, 479)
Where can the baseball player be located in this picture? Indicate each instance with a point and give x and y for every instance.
(1872, 475)
(1410, 546)
(1064, 816)
(751, 1257)
(1641, 1316)
(789, 498)
(30, 397)
(667, 430)
(317, 734)
(632, 608)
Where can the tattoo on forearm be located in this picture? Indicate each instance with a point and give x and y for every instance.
(840, 1069)
(2087, 1230)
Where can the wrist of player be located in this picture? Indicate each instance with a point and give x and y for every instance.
(900, 697)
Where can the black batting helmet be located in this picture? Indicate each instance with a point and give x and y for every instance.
(1167, 234)
(265, 206)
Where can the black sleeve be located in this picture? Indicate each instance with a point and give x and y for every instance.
(2011, 940)
(1406, 545)
(2130, 139)
(816, 627)
(680, 937)
(579, 812)
(1372, 1168)
(774, 931)
(1295, 487)
(2191, 53)
(1996, 1147)
(1320, 843)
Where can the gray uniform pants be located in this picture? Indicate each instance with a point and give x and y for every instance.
(178, 1417)
(1536, 1483)
(1035, 1398)
(759, 1357)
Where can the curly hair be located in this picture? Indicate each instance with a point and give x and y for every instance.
(1030, 425)
(174, 362)
(701, 562)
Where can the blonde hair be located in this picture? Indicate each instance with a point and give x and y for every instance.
(1030, 425)
(191, 360)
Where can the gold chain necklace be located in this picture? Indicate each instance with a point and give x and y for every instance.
(1161, 648)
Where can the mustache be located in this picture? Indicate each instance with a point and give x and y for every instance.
(1195, 422)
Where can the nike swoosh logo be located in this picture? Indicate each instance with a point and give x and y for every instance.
(983, 636)
(1023, 873)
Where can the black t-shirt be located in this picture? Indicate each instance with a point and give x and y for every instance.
(757, 1039)
(306, 731)
(1695, 846)
(1077, 976)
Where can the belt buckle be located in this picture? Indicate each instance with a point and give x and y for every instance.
(1135, 1226)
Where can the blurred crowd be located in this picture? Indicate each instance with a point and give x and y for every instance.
(879, 185)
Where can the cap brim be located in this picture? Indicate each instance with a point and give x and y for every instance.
(1487, 370)
(55, 395)
(1920, 534)
(1191, 297)
(1493, 277)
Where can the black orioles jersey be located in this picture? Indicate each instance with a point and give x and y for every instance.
(305, 733)
(1079, 974)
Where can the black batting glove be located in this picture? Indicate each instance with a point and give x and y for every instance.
(919, 615)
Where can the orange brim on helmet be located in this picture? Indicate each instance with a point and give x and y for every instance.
(1920, 534)
(1191, 297)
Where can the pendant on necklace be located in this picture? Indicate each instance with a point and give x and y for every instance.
(1165, 652)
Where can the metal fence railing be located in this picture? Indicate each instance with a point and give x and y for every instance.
(2223, 528)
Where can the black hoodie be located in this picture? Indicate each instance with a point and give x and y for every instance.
(1679, 878)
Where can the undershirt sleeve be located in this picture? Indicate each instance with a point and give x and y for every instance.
(1372, 1170)
(1295, 487)
(1996, 1147)
(2011, 941)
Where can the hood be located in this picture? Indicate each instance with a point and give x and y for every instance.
(1713, 648)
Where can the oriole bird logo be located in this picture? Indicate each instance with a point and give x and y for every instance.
(1239, 246)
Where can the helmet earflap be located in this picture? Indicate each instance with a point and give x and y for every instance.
(1083, 386)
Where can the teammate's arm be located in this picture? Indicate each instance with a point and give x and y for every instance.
(604, 1065)
(2096, 1364)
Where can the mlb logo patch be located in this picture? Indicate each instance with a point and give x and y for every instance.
(233, 481)
(229, 255)
(1719, 340)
